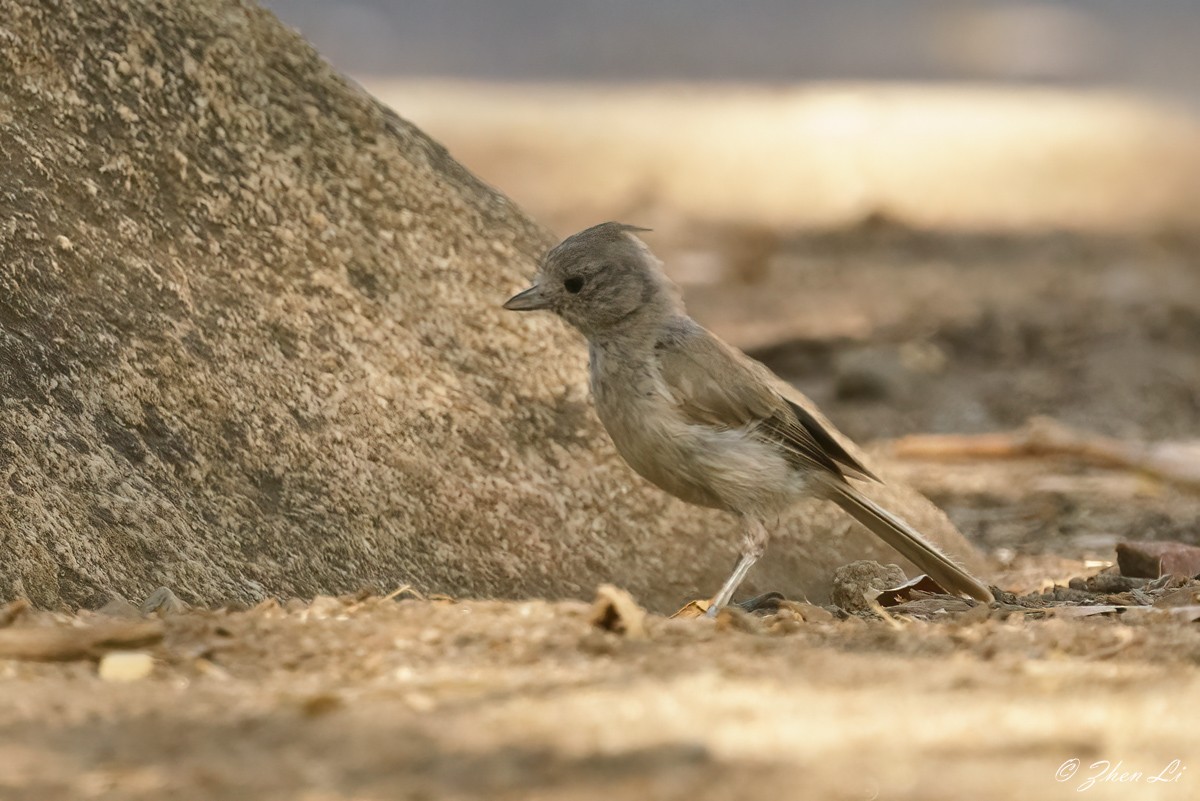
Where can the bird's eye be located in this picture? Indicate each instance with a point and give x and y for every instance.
(573, 285)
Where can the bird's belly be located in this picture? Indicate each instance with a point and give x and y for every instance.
(724, 469)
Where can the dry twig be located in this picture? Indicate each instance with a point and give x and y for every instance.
(62, 643)
(1041, 437)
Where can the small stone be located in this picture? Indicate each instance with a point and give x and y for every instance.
(855, 582)
(1111, 583)
(1154, 559)
(164, 602)
(64, 244)
(126, 665)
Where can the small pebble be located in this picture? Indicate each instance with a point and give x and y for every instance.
(164, 602)
(853, 583)
(125, 665)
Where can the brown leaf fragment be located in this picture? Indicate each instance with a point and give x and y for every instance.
(615, 610)
(62, 643)
(693, 609)
(1154, 559)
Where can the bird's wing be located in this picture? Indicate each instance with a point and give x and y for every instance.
(714, 385)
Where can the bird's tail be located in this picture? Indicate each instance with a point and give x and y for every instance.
(911, 545)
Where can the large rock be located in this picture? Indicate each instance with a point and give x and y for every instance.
(251, 344)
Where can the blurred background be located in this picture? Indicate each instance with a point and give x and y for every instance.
(1147, 45)
(930, 215)
(944, 113)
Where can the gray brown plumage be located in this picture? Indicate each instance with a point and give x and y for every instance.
(698, 418)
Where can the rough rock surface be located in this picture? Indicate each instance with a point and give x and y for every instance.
(251, 344)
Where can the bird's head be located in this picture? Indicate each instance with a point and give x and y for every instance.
(600, 280)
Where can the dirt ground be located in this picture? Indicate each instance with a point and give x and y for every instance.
(381, 699)
(894, 331)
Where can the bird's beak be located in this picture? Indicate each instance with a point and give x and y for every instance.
(531, 299)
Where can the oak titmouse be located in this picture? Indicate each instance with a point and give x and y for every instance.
(697, 417)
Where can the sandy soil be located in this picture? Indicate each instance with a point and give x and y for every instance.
(375, 699)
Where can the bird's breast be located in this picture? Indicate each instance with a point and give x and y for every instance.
(727, 469)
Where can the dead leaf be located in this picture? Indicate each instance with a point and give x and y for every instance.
(693, 609)
(615, 610)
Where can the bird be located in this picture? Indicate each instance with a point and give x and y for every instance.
(698, 418)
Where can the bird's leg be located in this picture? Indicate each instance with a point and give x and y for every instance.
(754, 542)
